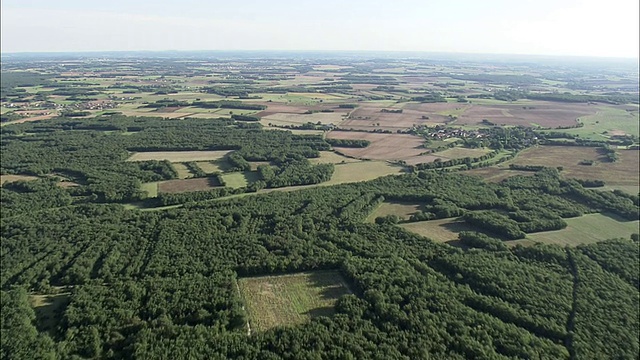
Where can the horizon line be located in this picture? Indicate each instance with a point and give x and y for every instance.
(319, 51)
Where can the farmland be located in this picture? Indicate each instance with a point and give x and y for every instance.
(240, 205)
(290, 299)
(588, 229)
(178, 156)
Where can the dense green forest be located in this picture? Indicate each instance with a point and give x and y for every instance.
(162, 284)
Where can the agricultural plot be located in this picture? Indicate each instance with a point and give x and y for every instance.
(588, 229)
(179, 156)
(211, 167)
(240, 179)
(442, 230)
(400, 209)
(385, 146)
(608, 121)
(460, 152)
(151, 188)
(182, 170)
(330, 157)
(622, 172)
(185, 185)
(284, 300)
(362, 171)
(283, 119)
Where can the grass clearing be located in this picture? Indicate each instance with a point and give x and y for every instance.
(400, 209)
(182, 170)
(48, 310)
(179, 156)
(607, 120)
(151, 188)
(240, 179)
(588, 229)
(14, 178)
(442, 230)
(273, 301)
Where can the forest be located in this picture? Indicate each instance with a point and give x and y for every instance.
(162, 284)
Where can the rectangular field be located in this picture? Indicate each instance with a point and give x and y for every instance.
(588, 229)
(460, 152)
(362, 171)
(290, 299)
(239, 179)
(179, 156)
(330, 157)
(186, 185)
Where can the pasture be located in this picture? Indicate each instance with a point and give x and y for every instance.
(330, 157)
(151, 188)
(284, 300)
(362, 171)
(182, 170)
(588, 229)
(607, 121)
(178, 156)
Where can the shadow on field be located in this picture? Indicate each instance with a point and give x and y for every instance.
(331, 284)
(321, 311)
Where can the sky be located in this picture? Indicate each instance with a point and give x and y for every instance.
(543, 27)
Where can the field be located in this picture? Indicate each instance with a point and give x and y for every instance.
(185, 185)
(283, 119)
(362, 171)
(211, 167)
(385, 146)
(151, 189)
(13, 178)
(545, 114)
(442, 230)
(496, 173)
(239, 179)
(621, 172)
(609, 120)
(178, 156)
(460, 152)
(588, 229)
(400, 209)
(182, 170)
(330, 157)
(290, 299)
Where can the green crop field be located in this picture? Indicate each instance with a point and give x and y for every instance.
(151, 188)
(290, 299)
(240, 179)
(460, 152)
(607, 121)
(588, 229)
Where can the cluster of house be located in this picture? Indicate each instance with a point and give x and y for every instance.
(447, 133)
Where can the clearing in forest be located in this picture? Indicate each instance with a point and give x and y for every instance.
(442, 230)
(400, 209)
(179, 156)
(240, 179)
(290, 299)
(588, 229)
(187, 185)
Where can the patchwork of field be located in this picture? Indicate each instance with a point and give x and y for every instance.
(290, 299)
(385, 146)
(371, 115)
(625, 171)
(178, 156)
(588, 229)
(185, 185)
(545, 114)
(400, 209)
(442, 230)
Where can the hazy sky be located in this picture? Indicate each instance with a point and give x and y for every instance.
(550, 27)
